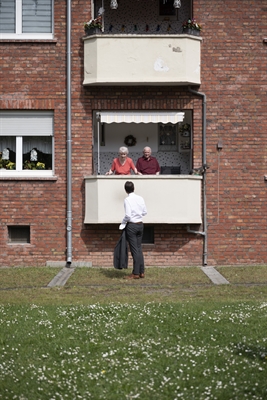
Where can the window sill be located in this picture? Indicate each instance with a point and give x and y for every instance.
(28, 178)
(21, 40)
(18, 244)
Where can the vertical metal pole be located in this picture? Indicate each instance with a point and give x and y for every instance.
(204, 162)
(69, 149)
(103, 17)
(98, 143)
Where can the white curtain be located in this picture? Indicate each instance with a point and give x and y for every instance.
(7, 142)
(43, 144)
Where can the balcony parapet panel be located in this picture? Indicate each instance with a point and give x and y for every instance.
(142, 59)
(170, 199)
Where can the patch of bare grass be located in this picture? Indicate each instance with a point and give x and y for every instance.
(130, 293)
(153, 276)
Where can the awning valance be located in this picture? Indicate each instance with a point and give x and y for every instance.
(138, 117)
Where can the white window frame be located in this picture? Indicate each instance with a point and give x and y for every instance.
(18, 35)
(19, 171)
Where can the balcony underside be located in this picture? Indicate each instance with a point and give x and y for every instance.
(170, 199)
(142, 60)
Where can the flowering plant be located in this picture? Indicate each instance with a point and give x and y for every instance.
(10, 165)
(33, 165)
(40, 165)
(191, 23)
(94, 23)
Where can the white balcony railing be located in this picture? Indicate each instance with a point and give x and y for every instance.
(142, 60)
(170, 199)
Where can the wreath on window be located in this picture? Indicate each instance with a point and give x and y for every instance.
(130, 140)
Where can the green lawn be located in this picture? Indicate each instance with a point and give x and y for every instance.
(126, 351)
(173, 335)
(245, 275)
(103, 285)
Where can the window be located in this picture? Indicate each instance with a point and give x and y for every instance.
(22, 19)
(148, 234)
(168, 137)
(19, 234)
(167, 11)
(26, 143)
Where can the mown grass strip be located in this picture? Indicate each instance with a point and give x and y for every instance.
(255, 274)
(26, 277)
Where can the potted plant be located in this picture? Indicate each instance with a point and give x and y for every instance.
(93, 26)
(33, 165)
(191, 27)
(11, 165)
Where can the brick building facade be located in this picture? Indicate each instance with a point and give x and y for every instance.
(233, 75)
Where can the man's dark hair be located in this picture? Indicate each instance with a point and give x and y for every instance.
(129, 187)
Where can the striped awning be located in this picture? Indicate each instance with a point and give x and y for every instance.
(138, 117)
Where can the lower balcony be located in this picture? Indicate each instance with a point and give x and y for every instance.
(169, 199)
(142, 59)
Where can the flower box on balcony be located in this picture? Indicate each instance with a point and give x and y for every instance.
(191, 27)
(92, 31)
(94, 26)
(190, 31)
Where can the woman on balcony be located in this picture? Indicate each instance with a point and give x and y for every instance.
(122, 165)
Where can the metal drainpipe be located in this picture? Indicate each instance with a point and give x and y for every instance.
(69, 177)
(204, 166)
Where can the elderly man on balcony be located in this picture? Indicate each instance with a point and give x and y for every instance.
(147, 165)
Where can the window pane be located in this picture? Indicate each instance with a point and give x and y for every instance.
(37, 16)
(148, 234)
(8, 153)
(7, 16)
(19, 234)
(37, 153)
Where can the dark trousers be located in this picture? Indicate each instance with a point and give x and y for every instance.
(134, 234)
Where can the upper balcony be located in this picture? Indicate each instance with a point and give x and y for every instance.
(142, 60)
(142, 43)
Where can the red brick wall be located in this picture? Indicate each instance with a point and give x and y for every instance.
(234, 79)
(233, 75)
(173, 245)
(33, 77)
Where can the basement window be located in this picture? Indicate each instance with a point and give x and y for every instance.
(19, 234)
(148, 234)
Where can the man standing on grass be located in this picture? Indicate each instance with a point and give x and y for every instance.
(135, 210)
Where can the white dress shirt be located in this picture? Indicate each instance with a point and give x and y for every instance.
(135, 209)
